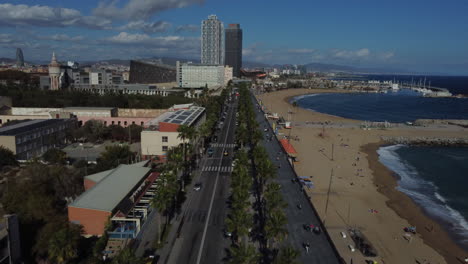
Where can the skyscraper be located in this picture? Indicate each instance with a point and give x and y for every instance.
(233, 48)
(212, 41)
(19, 58)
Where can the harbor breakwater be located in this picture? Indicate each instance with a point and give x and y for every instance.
(426, 141)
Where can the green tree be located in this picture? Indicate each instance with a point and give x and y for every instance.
(243, 254)
(287, 255)
(275, 230)
(127, 256)
(63, 245)
(113, 156)
(7, 158)
(55, 156)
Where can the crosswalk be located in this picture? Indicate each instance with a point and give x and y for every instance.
(217, 168)
(219, 145)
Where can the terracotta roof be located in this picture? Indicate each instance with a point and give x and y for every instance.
(288, 147)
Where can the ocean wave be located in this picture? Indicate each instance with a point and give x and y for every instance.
(423, 192)
(300, 97)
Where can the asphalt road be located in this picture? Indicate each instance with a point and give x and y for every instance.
(199, 233)
(321, 250)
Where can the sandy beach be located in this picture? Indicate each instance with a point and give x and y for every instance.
(363, 193)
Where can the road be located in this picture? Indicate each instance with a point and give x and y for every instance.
(321, 250)
(199, 228)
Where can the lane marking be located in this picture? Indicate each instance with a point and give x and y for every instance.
(213, 194)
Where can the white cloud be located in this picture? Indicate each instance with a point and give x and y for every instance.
(301, 51)
(138, 9)
(62, 37)
(387, 55)
(46, 16)
(126, 38)
(351, 54)
(147, 27)
(187, 28)
(6, 38)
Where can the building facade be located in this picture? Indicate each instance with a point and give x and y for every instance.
(190, 75)
(148, 73)
(212, 41)
(33, 138)
(161, 135)
(233, 47)
(121, 194)
(10, 246)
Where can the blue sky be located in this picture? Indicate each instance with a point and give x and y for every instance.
(423, 36)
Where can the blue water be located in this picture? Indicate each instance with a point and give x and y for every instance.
(402, 106)
(436, 178)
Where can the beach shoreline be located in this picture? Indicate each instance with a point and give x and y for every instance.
(433, 233)
(380, 180)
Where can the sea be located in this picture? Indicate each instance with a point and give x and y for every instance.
(436, 178)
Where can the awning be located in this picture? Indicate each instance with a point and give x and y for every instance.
(288, 148)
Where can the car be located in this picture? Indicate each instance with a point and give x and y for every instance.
(210, 152)
(227, 233)
(197, 187)
(215, 138)
(226, 153)
(234, 163)
(317, 230)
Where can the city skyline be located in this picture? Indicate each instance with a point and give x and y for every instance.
(417, 36)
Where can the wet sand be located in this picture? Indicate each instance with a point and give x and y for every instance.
(363, 193)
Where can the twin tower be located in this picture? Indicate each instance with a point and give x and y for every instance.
(221, 46)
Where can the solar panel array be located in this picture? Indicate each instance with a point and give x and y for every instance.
(184, 116)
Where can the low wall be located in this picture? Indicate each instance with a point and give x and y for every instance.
(135, 112)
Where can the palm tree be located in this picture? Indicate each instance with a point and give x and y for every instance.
(273, 198)
(164, 196)
(63, 245)
(127, 256)
(243, 254)
(287, 255)
(274, 227)
(239, 222)
(185, 133)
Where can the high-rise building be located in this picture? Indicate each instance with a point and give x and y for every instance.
(233, 48)
(212, 41)
(19, 58)
(54, 73)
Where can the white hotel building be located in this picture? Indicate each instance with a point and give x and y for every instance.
(190, 75)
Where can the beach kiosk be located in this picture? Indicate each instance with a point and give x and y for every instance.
(289, 149)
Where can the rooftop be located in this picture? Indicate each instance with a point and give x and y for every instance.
(179, 116)
(107, 194)
(97, 177)
(87, 108)
(26, 126)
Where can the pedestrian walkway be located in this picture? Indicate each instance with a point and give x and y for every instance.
(219, 145)
(218, 168)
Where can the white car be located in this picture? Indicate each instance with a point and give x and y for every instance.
(197, 186)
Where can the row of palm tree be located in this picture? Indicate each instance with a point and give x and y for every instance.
(240, 220)
(169, 186)
(270, 203)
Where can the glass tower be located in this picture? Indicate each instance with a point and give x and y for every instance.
(234, 48)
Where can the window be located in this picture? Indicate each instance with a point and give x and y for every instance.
(164, 148)
(164, 139)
